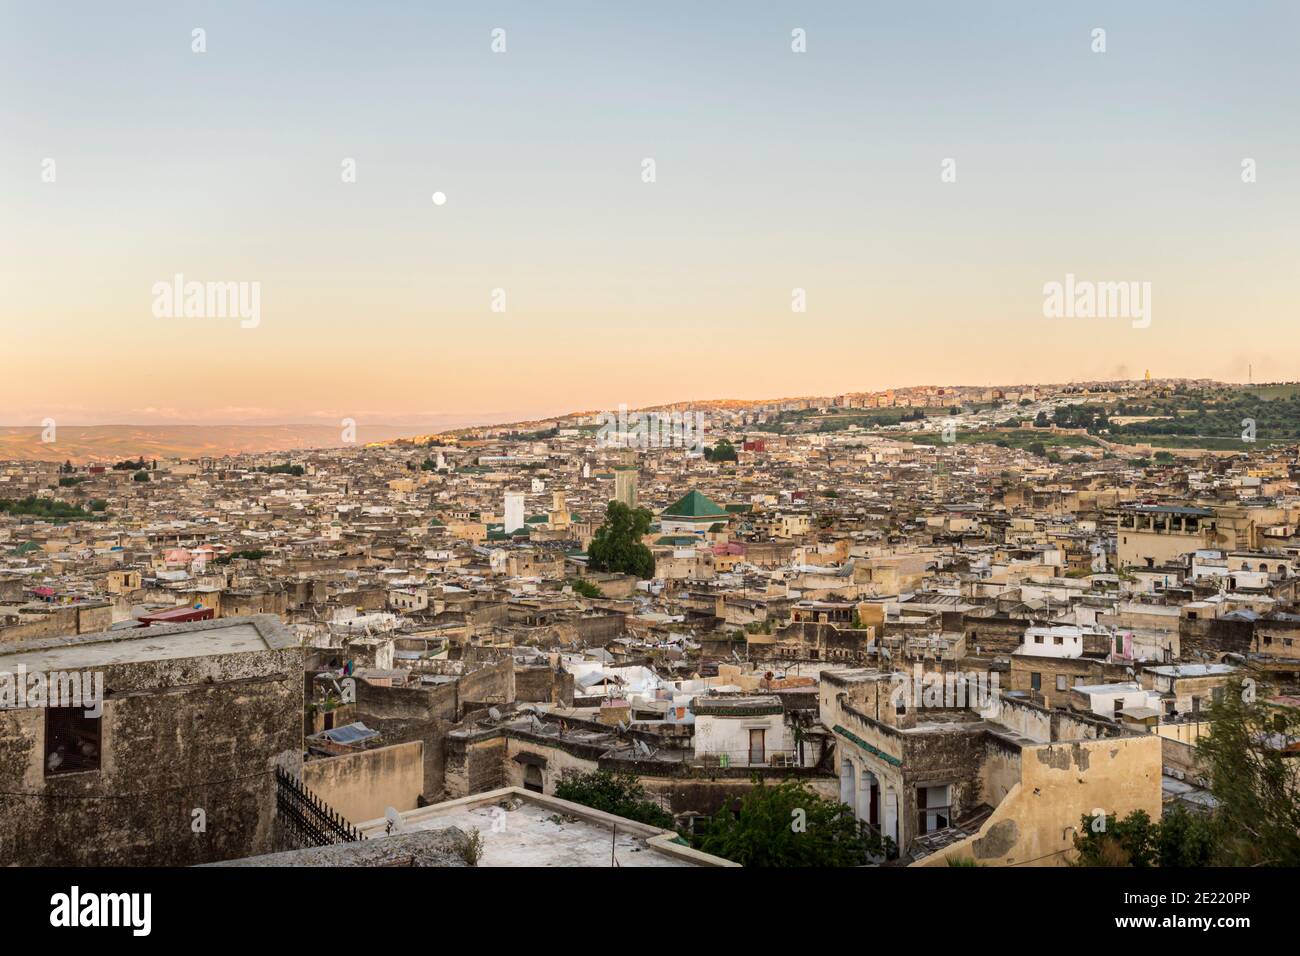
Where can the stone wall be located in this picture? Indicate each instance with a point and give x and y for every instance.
(177, 736)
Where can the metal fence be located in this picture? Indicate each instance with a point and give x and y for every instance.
(306, 820)
(745, 758)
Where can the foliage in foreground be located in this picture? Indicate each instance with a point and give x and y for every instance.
(788, 824)
(1256, 820)
(618, 793)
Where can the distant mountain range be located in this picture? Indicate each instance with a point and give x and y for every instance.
(84, 444)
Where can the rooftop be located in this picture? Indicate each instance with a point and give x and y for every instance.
(231, 635)
(522, 828)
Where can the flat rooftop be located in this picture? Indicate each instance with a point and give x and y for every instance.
(1192, 670)
(521, 828)
(233, 635)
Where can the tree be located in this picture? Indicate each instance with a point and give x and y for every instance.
(618, 793)
(1257, 787)
(1114, 842)
(1186, 839)
(722, 451)
(616, 545)
(1181, 838)
(586, 588)
(790, 825)
(140, 476)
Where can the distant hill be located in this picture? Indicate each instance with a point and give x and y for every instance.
(105, 443)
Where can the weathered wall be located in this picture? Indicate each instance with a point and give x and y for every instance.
(177, 735)
(1059, 784)
(361, 786)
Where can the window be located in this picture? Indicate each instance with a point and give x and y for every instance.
(1036, 680)
(933, 809)
(1056, 639)
(1060, 682)
(71, 740)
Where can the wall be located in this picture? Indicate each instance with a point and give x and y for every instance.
(361, 786)
(1060, 783)
(176, 735)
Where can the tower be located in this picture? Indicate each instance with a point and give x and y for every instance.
(625, 487)
(514, 512)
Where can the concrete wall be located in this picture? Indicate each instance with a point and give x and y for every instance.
(361, 786)
(1060, 783)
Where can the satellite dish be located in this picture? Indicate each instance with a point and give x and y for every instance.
(494, 713)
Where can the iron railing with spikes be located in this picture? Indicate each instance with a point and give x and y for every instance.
(305, 819)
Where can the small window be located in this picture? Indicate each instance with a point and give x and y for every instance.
(1036, 680)
(71, 740)
(1060, 682)
(934, 809)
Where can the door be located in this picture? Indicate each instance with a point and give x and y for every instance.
(757, 751)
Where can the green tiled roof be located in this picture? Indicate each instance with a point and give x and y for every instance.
(694, 505)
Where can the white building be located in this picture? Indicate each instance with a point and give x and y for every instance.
(514, 512)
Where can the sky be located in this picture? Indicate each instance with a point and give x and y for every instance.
(774, 171)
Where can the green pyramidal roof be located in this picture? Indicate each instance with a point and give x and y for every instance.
(694, 505)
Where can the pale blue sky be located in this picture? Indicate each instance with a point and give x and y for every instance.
(775, 171)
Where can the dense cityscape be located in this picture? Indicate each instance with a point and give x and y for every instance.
(952, 626)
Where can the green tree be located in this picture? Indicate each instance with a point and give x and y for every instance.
(790, 825)
(586, 588)
(616, 545)
(1181, 838)
(1114, 842)
(618, 793)
(140, 476)
(1185, 838)
(722, 451)
(1256, 785)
